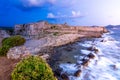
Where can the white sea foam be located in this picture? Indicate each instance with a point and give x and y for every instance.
(105, 66)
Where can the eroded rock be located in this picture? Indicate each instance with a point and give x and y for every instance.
(64, 76)
(58, 72)
(85, 62)
(91, 55)
(77, 73)
(45, 56)
(18, 52)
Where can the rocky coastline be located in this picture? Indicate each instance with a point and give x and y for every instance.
(47, 40)
(42, 37)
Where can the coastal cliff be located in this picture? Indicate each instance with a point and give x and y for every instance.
(44, 39)
(42, 29)
(41, 37)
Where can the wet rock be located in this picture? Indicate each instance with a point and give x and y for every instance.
(90, 48)
(85, 62)
(93, 49)
(103, 40)
(96, 51)
(91, 55)
(68, 48)
(69, 62)
(77, 73)
(64, 76)
(114, 67)
(58, 72)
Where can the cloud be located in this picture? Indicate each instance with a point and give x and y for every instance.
(36, 3)
(51, 15)
(74, 15)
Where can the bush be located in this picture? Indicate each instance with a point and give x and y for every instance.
(13, 41)
(10, 42)
(3, 50)
(55, 33)
(4, 39)
(54, 27)
(32, 68)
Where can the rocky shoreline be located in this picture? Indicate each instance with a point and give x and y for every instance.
(66, 55)
(50, 40)
(42, 37)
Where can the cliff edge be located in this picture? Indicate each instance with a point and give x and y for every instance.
(42, 37)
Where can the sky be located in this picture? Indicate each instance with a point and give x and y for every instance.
(73, 12)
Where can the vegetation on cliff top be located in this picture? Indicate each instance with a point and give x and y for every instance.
(10, 42)
(32, 68)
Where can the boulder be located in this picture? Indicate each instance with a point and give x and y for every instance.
(96, 50)
(77, 73)
(91, 56)
(93, 49)
(45, 56)
(90, 48)
(18, 52)
(64, 76)
(58, 72)
(103, 40)
(85, 62)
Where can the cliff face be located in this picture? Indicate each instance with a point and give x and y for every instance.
(44, 36)
(30, 29)
(41, 28)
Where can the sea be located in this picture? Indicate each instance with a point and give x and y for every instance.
(105, 65)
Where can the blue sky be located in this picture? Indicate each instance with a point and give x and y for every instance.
(74, 12)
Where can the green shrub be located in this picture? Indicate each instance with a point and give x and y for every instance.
(32, 68)
(4, 49)
(54, 27)
(10, 42)
(55, 33)
(4, 39)
(13, 41)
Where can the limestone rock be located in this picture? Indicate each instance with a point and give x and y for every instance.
(18, 52)
(45, 56)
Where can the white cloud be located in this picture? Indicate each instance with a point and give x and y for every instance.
(51, 15)
(36, 3)
(74, 15)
